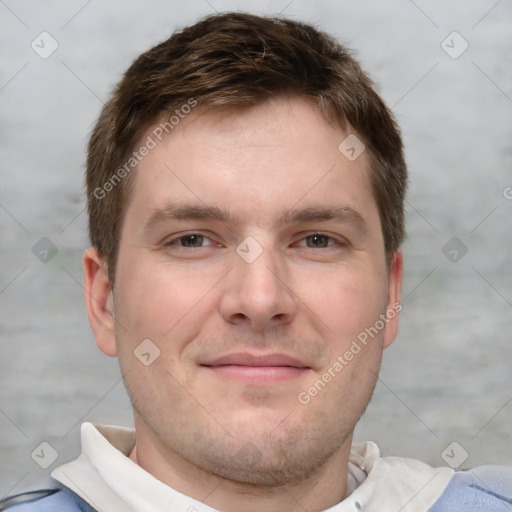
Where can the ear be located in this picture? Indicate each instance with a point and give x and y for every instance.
(394, 306)
(99, 301)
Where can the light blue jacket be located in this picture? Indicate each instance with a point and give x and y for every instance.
(63, 500)
(485, 488)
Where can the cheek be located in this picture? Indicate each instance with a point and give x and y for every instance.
(348, 301)
(160, 302)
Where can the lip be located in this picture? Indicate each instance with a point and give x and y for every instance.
(246, 359)
(254, 369)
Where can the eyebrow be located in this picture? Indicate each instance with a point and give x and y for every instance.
(342, 214)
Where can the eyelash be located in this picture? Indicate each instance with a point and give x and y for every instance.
(173, 241)
(332, 241)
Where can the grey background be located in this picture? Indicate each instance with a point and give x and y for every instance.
(446, 378)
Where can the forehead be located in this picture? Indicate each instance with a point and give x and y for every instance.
(253, 161)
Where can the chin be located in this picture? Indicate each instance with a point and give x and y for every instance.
(270, 454)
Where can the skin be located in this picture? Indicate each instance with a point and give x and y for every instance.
(247, 442)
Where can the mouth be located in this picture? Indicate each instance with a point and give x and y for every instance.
(257, 369)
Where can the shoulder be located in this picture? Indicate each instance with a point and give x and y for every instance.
(482, 488)
(59, 499)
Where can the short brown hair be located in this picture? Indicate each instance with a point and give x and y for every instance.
(237, 60)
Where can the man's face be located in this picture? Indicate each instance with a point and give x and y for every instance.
(252, 256)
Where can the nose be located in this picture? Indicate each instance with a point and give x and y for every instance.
(258, 294)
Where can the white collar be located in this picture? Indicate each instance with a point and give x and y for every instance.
(109, 481)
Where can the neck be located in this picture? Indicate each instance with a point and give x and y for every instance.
(320, 491)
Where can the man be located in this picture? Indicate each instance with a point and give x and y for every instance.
(245, 196)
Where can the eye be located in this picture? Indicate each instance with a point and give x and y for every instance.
(319, 241)
(191, 240)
